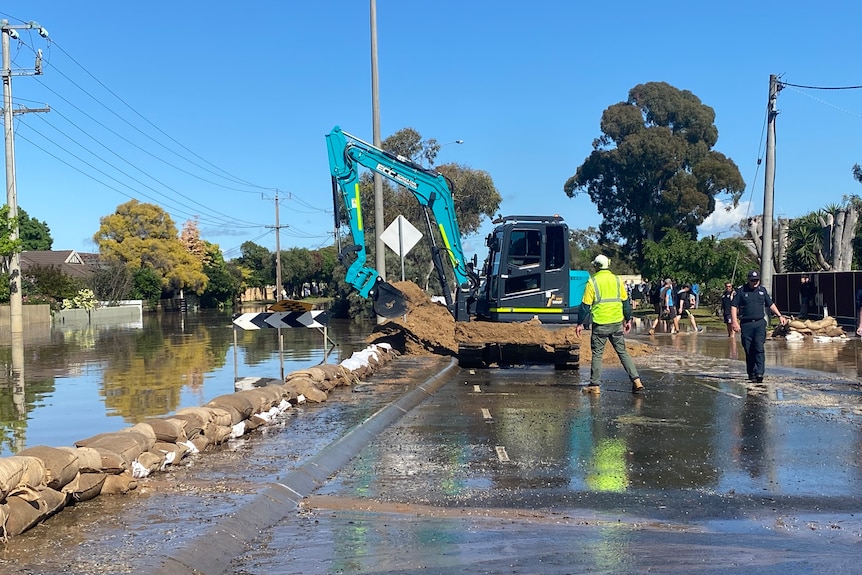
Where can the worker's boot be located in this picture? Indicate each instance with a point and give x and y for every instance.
(637, 385)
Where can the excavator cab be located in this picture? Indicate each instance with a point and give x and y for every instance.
(527, 273)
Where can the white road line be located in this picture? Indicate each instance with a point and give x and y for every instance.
(486, 413)
(477, 389)
(501, 453)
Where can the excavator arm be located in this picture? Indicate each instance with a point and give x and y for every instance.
(346, 154)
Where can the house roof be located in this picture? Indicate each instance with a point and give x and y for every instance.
(71, 262)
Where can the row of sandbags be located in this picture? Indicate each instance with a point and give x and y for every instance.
(37, 482)
(826, 327)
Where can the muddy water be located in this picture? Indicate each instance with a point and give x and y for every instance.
(79, 381)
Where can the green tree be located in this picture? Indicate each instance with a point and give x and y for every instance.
(225, 279)
(35, 235)
(653, 168)
(49, 283)
(146, 285)
(144, 236)
(709, 261)
(260, 264)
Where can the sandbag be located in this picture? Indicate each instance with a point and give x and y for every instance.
(89, 460)
(146, 430)
(112, 463)
(200, 442)
(259, 399)
(55, 500)
(216, 434)
(305, 386)
(61, 466)
(11, 471)
(168, 429)
(24, 514)
(219, 416)
(123, 444)
(86, 486)
(177, 449)
(193, 423)
(239, 402)
(119, 484)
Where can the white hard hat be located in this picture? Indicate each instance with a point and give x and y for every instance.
(602, 262)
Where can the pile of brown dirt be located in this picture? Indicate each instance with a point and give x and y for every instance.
(429, 328)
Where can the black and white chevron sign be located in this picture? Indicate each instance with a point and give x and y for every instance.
(315, 318)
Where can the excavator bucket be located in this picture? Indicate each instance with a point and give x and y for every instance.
(388, 301)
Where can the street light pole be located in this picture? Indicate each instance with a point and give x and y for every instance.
(379, 253)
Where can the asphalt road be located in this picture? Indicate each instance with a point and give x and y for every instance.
(504, 471)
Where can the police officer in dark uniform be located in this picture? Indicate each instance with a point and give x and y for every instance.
(748, 316)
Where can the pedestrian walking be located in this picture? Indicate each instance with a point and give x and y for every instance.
(606, 301)
(807, 294)
(666, 309)
(726, 299)
(686, 302)
(748, 316)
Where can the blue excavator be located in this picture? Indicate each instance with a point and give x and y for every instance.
(526, 273)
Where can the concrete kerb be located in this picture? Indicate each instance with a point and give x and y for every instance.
(211, 553)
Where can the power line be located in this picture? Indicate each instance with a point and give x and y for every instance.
(780, 83)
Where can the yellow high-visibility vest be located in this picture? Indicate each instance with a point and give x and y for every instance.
(608, 295)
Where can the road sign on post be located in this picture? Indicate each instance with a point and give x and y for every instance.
(401, 236)
(314, 318)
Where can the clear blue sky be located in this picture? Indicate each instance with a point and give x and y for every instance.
(206, 107)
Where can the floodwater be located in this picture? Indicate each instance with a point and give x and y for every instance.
(509, 471)
(77, 381)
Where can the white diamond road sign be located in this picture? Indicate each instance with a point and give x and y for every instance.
(410, 236)
(290, 319)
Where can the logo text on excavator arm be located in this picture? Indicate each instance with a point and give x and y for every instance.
(396, 176)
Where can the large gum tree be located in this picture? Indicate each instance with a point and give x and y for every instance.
(654, 167)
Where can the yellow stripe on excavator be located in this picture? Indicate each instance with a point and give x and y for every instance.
(526, 309)
(358, 206)
(448, 246)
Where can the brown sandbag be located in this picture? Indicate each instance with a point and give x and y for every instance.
(145, 441)
(204, 414)
(112, 463)
(193, 423)
(123, 444)
(305, 386)
(236, 401)
(55, 500)
(177, 449)
(233, 415)
(119, 484)
(24, 514)
(216, 434)
(11, 471)
(61, 466)
(220, 416)
(151, 460)
(200, 442)
(89, 460)
(86, 486)
(260, 399)
(146, 430)
(168, 429)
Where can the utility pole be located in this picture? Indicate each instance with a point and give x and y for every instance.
(379, 250)
(16, 315)
(769, 185)
(278, 285)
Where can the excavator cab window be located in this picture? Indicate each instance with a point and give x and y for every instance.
(555, 250)
(525, 247)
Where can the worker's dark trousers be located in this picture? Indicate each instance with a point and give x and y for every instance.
(753, 338)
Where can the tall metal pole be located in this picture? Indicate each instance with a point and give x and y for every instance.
(379, 253)
(769, 186)
(15, 299)
(278, 286)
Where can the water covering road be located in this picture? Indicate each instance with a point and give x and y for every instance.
(515, 471)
